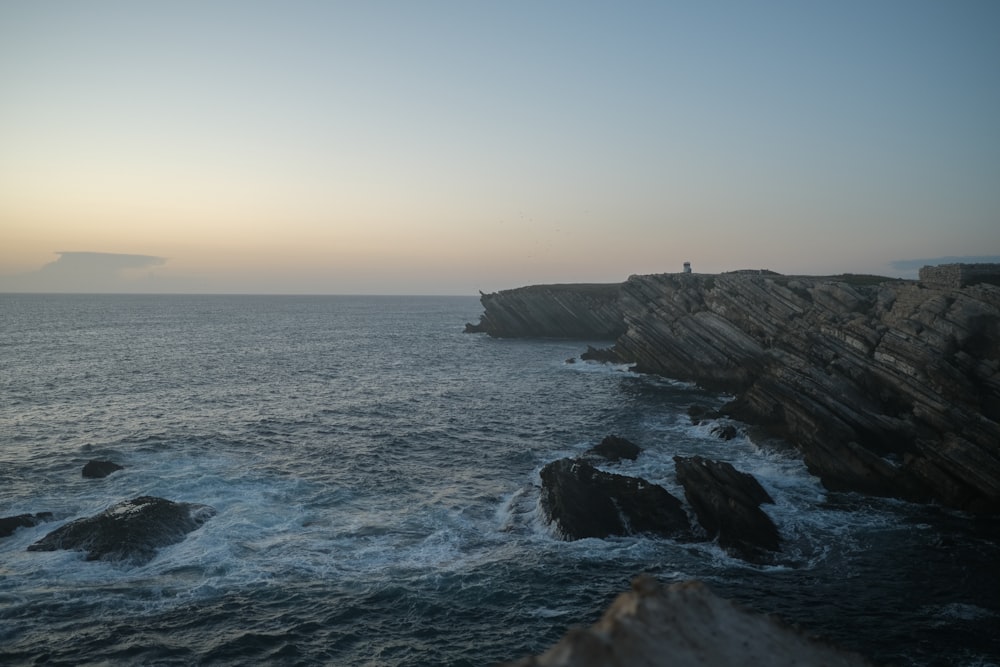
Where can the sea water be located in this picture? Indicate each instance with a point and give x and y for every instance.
(375, 472)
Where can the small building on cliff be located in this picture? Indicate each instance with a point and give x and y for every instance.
(960, 275)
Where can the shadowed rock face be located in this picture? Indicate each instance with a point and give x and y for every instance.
(686, 625)
(889, 389)
(586, 502)
(552, 311)
(129, 532)
(727, 504)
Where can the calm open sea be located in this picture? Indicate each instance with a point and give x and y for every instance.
(375, 473)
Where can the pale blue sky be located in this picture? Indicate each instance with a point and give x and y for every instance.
(445, 147)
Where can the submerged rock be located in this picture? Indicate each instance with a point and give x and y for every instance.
(129, 532)
(727, 504)
(98, 469)
(583, 501)
(685, 624)
(614, 448)
(9, 524)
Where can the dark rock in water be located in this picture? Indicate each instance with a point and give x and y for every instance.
(129, 532)
(614, 448)
(724, 431)
(604, 355)
(700, 413)
(727, 504)
(97, 469)
(586, 502)
(685, 624)
(9, 524)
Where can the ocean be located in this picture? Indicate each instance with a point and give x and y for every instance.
(375, 472)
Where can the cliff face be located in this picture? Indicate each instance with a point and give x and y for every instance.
(588, 312)
(889, 389)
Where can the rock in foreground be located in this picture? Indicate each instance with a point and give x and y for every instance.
(129, 532)
(583, 501)
(683, 625)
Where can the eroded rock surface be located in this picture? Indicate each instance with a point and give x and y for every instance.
(686, 625)
(583, 501)
(129, 532)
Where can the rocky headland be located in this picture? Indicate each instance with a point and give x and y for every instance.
(585, 311)
(887, 387)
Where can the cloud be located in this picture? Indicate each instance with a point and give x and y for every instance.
(84, 272)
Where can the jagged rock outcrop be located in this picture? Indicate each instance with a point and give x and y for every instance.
(582, 501)
(686, 625)
(552, 311)
(97, 469)
(889, 388)
(9, 524)
(727, 504)
(614, 448)
(129, 532)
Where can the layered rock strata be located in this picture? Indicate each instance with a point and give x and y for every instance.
(553, 311)
(686, 625)
(889, 389)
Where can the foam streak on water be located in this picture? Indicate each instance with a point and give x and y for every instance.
(375, 472)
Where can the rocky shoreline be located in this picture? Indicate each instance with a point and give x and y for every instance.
(887, 387)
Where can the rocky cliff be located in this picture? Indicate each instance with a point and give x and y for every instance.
(888, 387)
(587, 312)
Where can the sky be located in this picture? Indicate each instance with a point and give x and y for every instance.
(445, 147)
